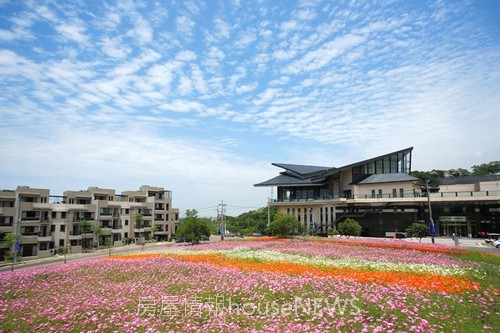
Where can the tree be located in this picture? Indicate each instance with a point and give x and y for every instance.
(193, 229)
(191, 213)
(486, 168)
(283, 225)
(154, 229)
(250, 222)
(10, 240)
(85, 228)
(349, 227)
(108, 242)
(417, 230)
(97, 230)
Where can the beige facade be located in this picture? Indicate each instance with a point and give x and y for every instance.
(79, 220)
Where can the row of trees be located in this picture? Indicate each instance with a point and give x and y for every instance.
(484, 169)
(194, 229)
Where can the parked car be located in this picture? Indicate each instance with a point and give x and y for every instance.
(496, 243)
(492, 237)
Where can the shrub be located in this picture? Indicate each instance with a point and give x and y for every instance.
(418, 230)
(283, 225)
(349, 227)
(192, 230)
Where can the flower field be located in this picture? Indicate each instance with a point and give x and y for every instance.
(261, 285)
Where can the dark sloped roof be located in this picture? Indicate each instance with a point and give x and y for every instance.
(297, 174)
(385, 178)
(331, 171)
(301, 169)
(283, 180)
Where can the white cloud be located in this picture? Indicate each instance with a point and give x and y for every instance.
(245, 38)
(186, 56)
(246, 88)
(141, 31)
(343, 77)
(114, 48)
(185, 86)
(185, 26)
(180, 105)
(320, 57)
(14, 34)
(73, 32)
(223, 30)
(266, 96)
(198, 80)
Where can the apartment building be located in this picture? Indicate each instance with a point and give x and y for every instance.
(80, 220)
(383, 197)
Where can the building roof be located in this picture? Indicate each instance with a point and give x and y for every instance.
(385, 178)
(284, 180)
(303, 170)
(332, 171)
(310, 175)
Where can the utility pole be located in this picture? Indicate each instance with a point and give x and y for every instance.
(269, 201)
(268, 214)
(431, 221)
(222, 206)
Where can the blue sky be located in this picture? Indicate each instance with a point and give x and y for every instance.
(201, 97)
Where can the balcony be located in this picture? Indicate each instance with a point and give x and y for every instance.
(106, 231)
(145, 229)
(45, 238)
(75, 237)
(29, 239)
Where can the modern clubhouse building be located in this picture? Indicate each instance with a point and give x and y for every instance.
(47, 223)
(384, 198)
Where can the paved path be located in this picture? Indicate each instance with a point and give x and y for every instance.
(101, 253)
(475, 243)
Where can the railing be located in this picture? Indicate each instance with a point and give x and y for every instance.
(405, 195)
(493, 193)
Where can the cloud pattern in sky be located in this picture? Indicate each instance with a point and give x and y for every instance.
(200, 97)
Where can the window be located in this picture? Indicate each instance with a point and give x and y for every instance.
(54, 215)
(380, 193)
(373, 193)
(63, 215)
(126, 222)
(62, 228)
(401, 192)
(52, 228)
(61, 242)
(394, 193)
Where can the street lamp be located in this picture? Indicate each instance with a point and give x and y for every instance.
(431, 221)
